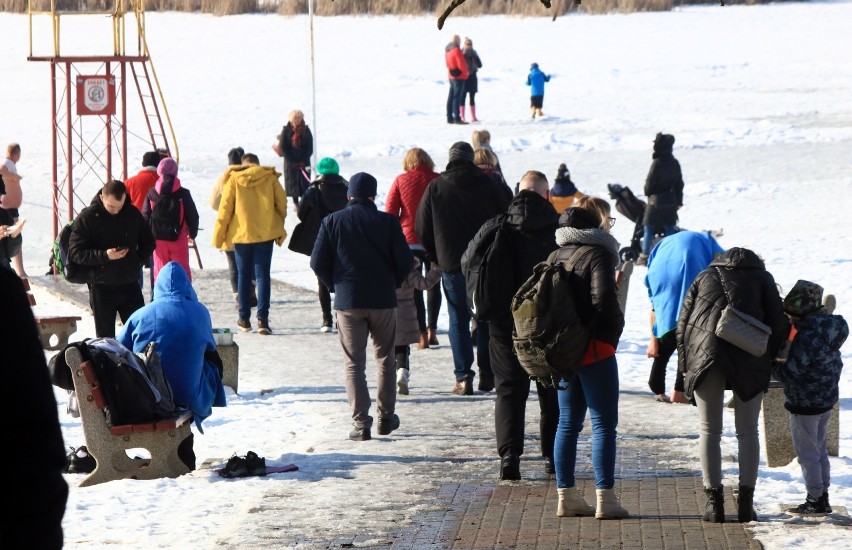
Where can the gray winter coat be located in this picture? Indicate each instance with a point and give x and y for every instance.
(407, 327)
(753, 291)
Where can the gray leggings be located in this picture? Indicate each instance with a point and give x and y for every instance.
(710, 398)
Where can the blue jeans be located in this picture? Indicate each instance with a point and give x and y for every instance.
(460, 342)
(455, 99)
(648, 237)
(253, 258)
(595, 389)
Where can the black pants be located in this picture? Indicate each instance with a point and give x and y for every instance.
(325, 303)
(512, 386)
(107, 300)
(666, 347)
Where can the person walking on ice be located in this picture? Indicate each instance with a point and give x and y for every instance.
(536, 80)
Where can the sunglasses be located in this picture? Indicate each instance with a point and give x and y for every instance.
(611, 221)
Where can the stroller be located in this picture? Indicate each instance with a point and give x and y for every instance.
(632, 208)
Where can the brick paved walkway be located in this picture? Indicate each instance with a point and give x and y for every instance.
(461, 504)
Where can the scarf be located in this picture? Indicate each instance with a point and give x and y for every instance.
(594, 237)
(297, 134)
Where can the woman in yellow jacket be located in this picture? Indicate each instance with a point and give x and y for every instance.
(250, 218)
(564, 192)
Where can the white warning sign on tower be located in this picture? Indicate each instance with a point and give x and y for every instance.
(95, 95)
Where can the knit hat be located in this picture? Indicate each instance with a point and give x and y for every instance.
(461, 150)
(562, 172)
(151, 158)
(578, 218)
(167, 167)
(235, 156)
(804, 298)
(534, 66)
(328, 165)
(362, 185)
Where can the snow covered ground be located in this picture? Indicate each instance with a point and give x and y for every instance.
(757, 97)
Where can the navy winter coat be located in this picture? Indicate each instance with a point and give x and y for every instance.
(361, 256)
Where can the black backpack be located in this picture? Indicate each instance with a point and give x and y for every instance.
(72, 272)
(483, 265)
(135, 388)
(549, 337)
(166, 219)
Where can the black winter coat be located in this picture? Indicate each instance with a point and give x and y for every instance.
(295, 158)
(752, 290)
(361, 255)
(530, 228)
(327, 194)
(34, 519)
(663, 190)
(95, 230)
(596, 294)
(453, 208)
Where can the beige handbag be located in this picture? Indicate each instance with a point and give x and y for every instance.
(741, 329)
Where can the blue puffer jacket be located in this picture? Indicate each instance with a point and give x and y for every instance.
(812, 372)
(182, 328)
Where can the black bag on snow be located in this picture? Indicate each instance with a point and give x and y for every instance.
(166, 219)
(483, 266)
(135, 388)
(549, 337)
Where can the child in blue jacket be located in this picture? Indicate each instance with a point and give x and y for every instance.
(810, 375)
(535, 81)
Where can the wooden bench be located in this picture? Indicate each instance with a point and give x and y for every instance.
(53, 332)
(109, 445)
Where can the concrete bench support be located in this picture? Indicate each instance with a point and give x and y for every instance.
(776, 428)
(55, 331)
(230, 355)
(109, 445)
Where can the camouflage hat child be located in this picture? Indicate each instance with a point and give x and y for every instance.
(328, 165)
(803, 299)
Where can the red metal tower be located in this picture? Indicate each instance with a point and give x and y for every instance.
(98, 101)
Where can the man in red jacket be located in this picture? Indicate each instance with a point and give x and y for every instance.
(457, 69)
(139, 185)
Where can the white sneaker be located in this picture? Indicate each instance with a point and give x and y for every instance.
(402, 381)
(326, 328)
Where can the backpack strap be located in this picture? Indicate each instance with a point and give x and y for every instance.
(568, 262)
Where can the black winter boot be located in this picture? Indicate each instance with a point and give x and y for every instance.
(744, 501)
(826, 507)
(714, 510)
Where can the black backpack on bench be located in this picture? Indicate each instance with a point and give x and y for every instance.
(135, 389)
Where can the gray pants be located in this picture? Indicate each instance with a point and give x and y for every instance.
(810, 439)
(710, 398)
(354, 325)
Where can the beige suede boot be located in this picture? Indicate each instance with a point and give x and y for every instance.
(608, 505)
(572, 504)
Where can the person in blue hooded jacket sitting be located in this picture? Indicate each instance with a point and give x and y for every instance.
(182, 328)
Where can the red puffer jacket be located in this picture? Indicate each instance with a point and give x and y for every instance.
(404, 197)
(455, 60)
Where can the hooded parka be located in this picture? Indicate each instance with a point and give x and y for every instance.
(252, 209)
(752, 290)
